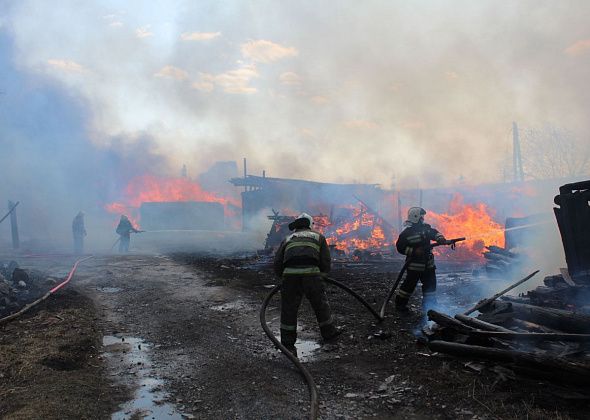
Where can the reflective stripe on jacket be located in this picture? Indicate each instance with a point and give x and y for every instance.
(418, 235)
(303, 252)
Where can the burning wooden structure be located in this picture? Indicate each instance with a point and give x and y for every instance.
(545, 332)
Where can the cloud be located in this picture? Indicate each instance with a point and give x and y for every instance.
(67, 66)
(113, 20)
(205, 85)
(361, 124)
(143, 32)
(233, 81)
(199, 36)
(578, 48)
(266, 51)
(290, 78)
(171, 72)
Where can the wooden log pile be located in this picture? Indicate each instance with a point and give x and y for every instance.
(545, 342)
(500, 262)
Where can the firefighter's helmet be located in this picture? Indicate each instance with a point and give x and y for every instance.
(303, 220)
(416, 214)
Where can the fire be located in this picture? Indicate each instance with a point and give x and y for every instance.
(359, 228)
(149, 188)
(473, 221)
(363, 230)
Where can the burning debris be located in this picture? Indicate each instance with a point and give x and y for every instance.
(544, 332)
(359, 233)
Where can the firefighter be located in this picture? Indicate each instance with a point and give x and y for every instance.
(414, 242)
(79, 232)
(301, 260)
(124, 230)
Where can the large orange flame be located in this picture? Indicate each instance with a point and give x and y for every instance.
(473, 221)
(148, 188)
(365, 230)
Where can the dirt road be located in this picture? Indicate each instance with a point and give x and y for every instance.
(178, 337)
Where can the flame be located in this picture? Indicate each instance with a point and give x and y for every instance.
(366, 231)
(148, 188)
(473, 221)
(363, 230)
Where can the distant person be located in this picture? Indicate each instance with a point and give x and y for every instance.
(79, 232)
(124, 230)
(301, 260)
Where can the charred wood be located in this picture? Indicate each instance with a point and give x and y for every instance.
(546, 366)
(528, 336)
(448, 321)
(479, 324)
(559, 319)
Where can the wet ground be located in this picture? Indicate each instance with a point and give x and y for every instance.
(179, 337)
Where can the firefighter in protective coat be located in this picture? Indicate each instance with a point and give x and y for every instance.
(124, 230)
(301, 259)
(414, 243)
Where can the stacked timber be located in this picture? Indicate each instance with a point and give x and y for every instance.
(537, 341)
(500, 262)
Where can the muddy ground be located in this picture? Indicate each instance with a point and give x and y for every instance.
(179, 337)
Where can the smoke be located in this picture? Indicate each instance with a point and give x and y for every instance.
(49, 163)
(425, 90)
(96, 93)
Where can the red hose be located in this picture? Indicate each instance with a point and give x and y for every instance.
(69, 277)
(46, 295)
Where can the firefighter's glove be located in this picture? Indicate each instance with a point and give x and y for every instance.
(418, 252)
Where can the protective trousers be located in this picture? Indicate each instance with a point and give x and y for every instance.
(78, 243)
(292, 292)
(428, 279)
(124, 243)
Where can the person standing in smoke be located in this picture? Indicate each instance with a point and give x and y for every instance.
(301, 260)
(414, 243)
(124, 230)
(79, 232)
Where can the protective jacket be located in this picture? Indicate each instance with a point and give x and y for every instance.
(303, 252)
(78, 226)
(125, 228)
(417, 236)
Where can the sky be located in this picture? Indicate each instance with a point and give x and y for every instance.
(423, 92)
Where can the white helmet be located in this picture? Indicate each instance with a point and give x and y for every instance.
(300, 217)
(306, 216)
(416, 214)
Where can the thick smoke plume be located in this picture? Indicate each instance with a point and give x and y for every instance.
(422, 93)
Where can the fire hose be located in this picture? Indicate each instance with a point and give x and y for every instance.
(46, 295)
(313, 391)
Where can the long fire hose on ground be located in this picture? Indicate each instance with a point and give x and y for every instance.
(46, 295)
(313, 391)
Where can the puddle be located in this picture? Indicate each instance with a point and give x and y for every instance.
(128, 356)
(109, 289)
(228, 306)
(306, 349)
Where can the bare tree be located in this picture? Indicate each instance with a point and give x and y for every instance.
(553, 152)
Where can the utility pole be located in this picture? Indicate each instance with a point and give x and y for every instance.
(14, 225)
(518, 173)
